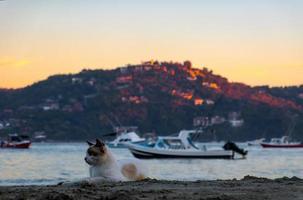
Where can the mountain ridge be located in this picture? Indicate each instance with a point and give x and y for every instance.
(155, 96)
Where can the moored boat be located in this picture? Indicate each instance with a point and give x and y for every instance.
(256, 142)
(40, 137)
(177, 147)
(125, 135)
(16, 141)
(283, 142)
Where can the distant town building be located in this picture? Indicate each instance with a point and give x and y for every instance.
(192, 78)
(206, 121)
(206, 84)
(209, 102)
(217, 120)
(76, 80)
(211, 85)
(91, 82)
(198, 101)
(235, 120)
(183, 94)
(135, 99)
(123, 70)
(236, 123)
(201, 121)
(234, 115)
(50, 104)
(214, 86)
(124, 79)
(53, 106)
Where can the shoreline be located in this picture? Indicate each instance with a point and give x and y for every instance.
(245, 189)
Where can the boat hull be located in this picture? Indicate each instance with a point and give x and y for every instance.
(150, 153)
(19, 145)
(266, 145)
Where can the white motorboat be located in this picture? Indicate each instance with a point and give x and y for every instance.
(125, 136)
(176, 147)
(256, 142)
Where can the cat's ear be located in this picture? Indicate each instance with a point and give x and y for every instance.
(99, 143)
(89, 143)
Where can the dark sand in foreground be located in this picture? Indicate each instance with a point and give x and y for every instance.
(247, 188)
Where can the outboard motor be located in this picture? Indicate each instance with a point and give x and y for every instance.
(233, 147)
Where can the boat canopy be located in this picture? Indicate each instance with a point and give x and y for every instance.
(127, 137)
(130, 136)
(182, 141)
(282, 140)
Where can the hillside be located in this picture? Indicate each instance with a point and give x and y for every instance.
(157, 97)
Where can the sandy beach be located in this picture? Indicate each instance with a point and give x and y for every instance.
(244, 189)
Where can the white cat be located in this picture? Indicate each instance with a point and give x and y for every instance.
(104, 166)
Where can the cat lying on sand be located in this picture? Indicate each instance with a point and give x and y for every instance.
(103, 165)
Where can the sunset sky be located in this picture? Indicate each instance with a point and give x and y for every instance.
(256, 42)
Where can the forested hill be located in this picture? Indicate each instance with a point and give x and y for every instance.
(160, 97)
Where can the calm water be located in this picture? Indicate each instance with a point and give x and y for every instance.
(49, 163)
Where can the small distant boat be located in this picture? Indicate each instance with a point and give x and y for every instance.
(256, 142)
(16, 141)
(40, 137)
(125, 135)
(283, 142)
(176, 147)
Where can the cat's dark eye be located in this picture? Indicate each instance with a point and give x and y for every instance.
(91, 153)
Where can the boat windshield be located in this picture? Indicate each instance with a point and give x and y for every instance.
(173, 144)
(191, 143)
(125, 140)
